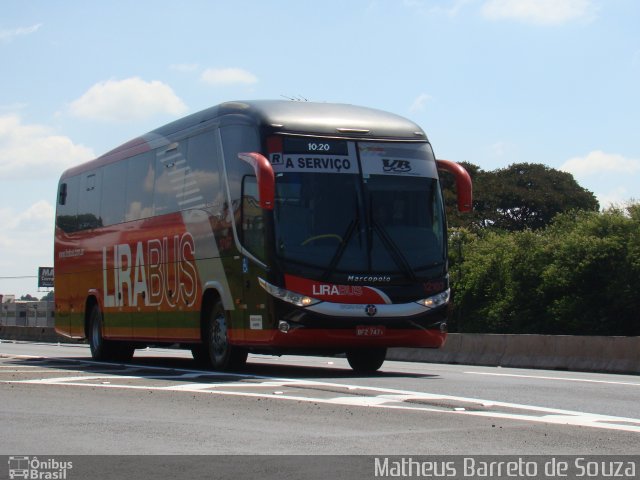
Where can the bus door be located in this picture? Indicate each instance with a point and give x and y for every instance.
(253, 234)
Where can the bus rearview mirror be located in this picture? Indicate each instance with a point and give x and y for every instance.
(463, 183)
(265, 177)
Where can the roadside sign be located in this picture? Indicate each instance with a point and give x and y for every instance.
(45, 277)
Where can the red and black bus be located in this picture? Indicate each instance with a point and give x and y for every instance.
(258, 226)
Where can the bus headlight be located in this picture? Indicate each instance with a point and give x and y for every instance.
(436, 300)
(287, 295)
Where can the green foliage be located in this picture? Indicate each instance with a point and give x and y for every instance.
(521, 196)
(48, 297)
(579, 276)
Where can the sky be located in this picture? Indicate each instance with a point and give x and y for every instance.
(492, 82)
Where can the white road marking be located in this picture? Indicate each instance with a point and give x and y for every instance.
(363, 396)
(24, 371)
(70, 380)
(19, 366)
(562, 379)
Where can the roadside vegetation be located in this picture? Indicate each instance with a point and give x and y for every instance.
(537, 256)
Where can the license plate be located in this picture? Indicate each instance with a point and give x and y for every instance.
(369, 331)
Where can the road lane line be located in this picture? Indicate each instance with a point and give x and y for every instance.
(363, 396)
(563, 379)
(551, 416)
(373, 397)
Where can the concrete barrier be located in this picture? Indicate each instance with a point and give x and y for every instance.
(33, 334)
(553, 352)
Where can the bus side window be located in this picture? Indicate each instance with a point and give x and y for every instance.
(140, 179)
(113, 193)
(237, 139)
(89, 201)
(173, 176)
(67, 212)
(62, 194)
(204, 163)
(252, 220)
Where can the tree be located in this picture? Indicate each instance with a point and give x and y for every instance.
(592, 279)
(578, 276)
(48, 297)
(521, 196)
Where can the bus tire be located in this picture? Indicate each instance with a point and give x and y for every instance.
(221, 354)
(366, 360)
(100, 348)
(105, 350)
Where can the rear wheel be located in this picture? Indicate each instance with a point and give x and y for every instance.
(221, 354)
(366, 360)
(102, 349)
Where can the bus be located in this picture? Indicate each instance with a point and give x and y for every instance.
(266, 226)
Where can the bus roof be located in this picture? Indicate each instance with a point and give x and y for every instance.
(279, 117)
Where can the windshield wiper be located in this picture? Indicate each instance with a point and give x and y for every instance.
(394, 251)
(346, 238)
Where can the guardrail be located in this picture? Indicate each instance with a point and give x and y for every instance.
(552, 352)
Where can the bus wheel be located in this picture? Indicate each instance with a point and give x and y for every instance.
(366, 360)
(222, 355)
(99, 346)
(102, 349)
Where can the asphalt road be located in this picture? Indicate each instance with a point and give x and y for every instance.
(54, 400)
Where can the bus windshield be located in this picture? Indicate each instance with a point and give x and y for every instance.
(382, 214)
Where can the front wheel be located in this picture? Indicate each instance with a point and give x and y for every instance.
(105, 350)
(366, 360)
(221, 354)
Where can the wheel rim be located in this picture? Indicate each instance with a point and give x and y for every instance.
(96, 336)
(219, 338)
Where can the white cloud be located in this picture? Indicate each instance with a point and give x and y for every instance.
(419, 103)
(25, 244)
(613, 178)
(599, 162)
(539, 12)
(35, 151)
(228, 76)
(619, 196)
(37, 217)
(8, 35)
(128, 99)
(19, 228)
